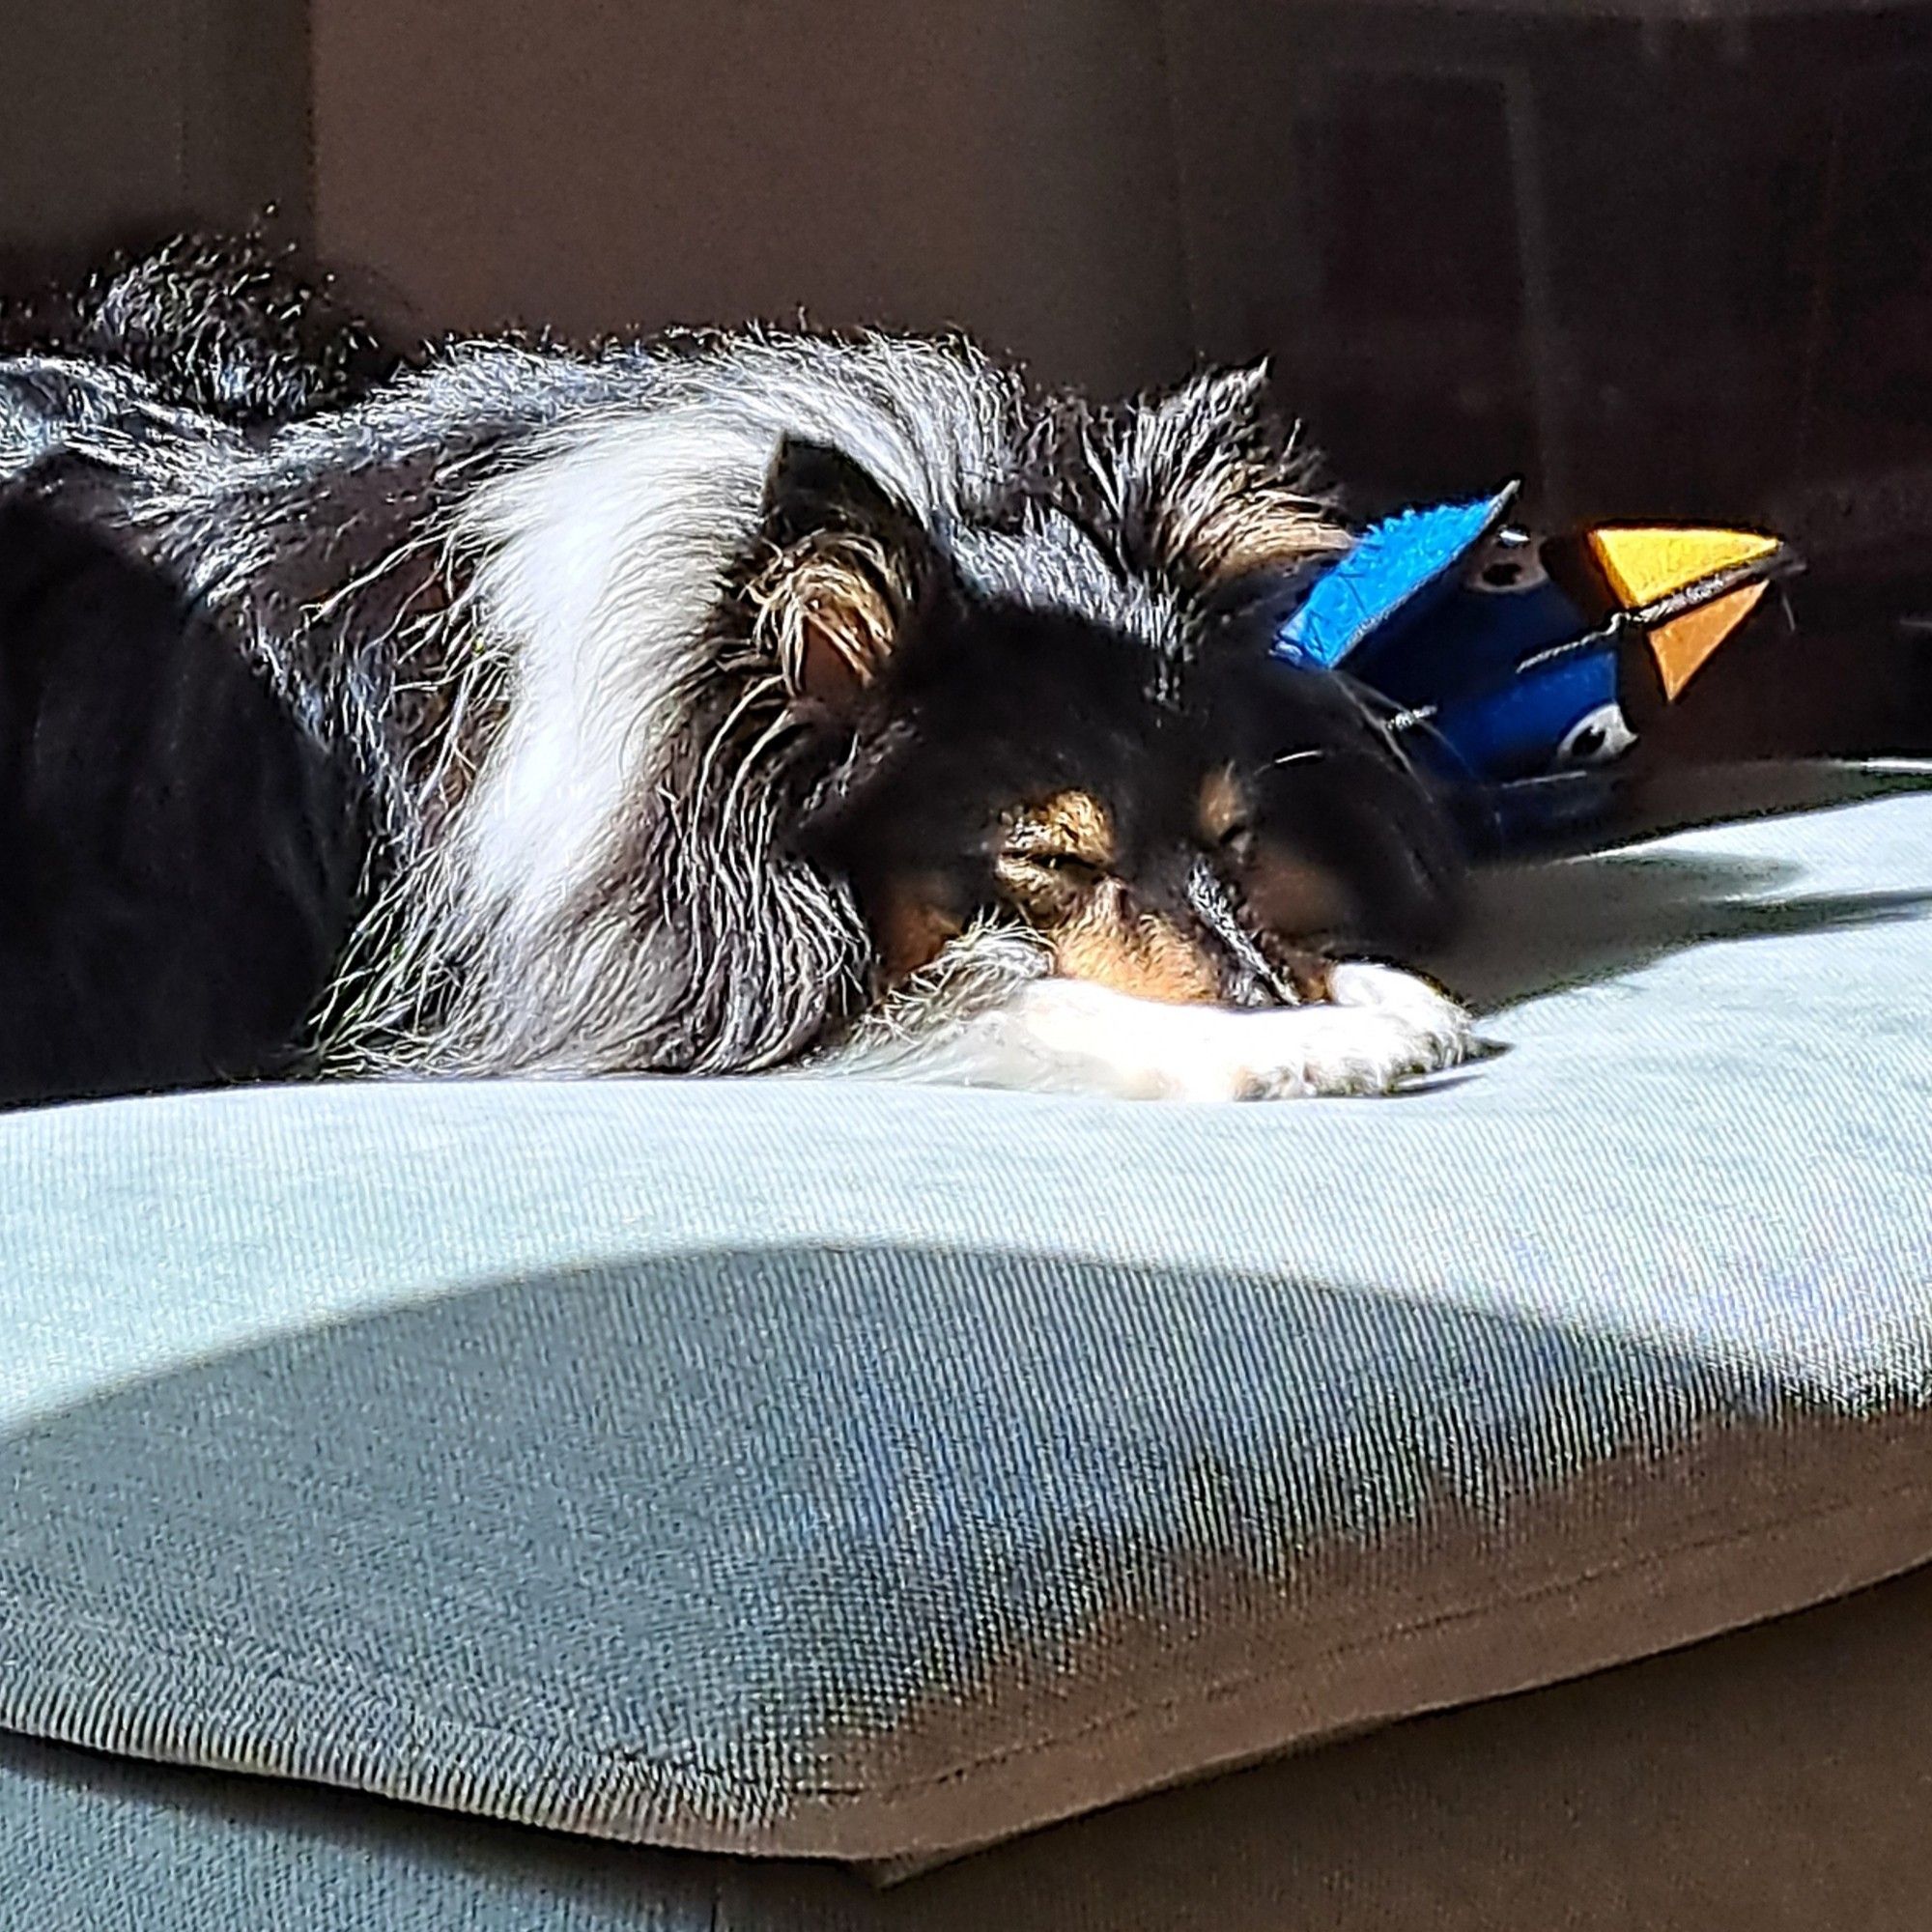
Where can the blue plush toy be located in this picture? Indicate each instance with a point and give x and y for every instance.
(1521, 669)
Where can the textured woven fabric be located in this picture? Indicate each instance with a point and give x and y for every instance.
(1771, 1780)
(797, 1466)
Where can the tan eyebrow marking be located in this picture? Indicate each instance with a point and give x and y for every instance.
(1072, 823)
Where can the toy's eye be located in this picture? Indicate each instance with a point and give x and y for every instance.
(1594, 739)
(1509, 564)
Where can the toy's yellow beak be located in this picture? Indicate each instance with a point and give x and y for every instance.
(1688, 588)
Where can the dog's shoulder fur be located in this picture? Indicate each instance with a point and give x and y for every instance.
(565, 624)
(493, 585)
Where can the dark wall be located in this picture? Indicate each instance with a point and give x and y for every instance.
(122, 118)
(1660, 260)
(998, 165)
(1655, 259)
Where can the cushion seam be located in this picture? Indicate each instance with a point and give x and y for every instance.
(1217, 1692)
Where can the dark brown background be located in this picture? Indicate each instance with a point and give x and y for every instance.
(1661, 257)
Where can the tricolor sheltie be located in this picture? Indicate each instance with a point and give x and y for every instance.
(703, 705)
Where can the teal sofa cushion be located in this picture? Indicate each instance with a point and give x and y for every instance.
(856, 1471)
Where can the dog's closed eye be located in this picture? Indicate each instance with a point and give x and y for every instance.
(1061, 848)
(1071, 867)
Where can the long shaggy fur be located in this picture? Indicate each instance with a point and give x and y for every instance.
(531, 608)
(232, 326)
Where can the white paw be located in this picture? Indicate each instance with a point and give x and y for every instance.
(1444, 1030)
(1382, 1029)
(1334, 1050)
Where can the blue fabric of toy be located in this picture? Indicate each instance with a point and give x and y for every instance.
(1395, 567)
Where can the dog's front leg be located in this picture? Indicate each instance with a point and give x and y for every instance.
(1017, 1026)
(1379, 1028)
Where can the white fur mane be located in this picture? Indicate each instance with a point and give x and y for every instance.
(592, 566)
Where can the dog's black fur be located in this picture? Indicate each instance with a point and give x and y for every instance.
(177, 865)
(179, 858)
(291, 725)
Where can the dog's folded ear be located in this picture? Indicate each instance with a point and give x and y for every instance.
(1211, 489)
(845, 563)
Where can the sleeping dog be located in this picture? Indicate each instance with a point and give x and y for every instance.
(710, 704)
